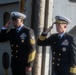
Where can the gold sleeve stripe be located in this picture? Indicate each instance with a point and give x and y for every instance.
(42, 38)
(32, 41)
(32, 56)
(73, 70)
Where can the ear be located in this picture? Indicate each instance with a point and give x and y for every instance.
(65, 26)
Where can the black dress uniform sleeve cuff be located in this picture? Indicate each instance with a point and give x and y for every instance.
(44, 34)
(30, 64)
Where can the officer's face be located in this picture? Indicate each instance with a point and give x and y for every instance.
(17, 22)
(61, 27)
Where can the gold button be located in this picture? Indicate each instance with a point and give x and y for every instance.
(52, 62)
(22, 41)
(16, 56)
(57, 64)
(16, 45)
(12, 45)
(16, 50)
(53, 57)
(59, 59)
(59, 53)
(53, 52)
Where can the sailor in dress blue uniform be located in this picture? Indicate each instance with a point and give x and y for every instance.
(22, 42)
(63, 47)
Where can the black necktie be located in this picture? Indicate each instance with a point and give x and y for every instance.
(17, 30)
(59, 37)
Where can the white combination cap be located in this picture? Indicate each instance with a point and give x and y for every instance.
(62, 19)
(16, 15)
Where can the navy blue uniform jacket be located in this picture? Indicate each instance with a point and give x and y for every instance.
(22, 46)
(63, 53)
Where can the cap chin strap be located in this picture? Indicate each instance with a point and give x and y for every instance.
(61, 21)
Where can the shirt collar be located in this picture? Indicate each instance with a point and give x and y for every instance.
(61, 35)
(20, 27)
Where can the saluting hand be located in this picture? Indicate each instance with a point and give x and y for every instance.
(49, 29)
(28, 69)
(7, 24)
